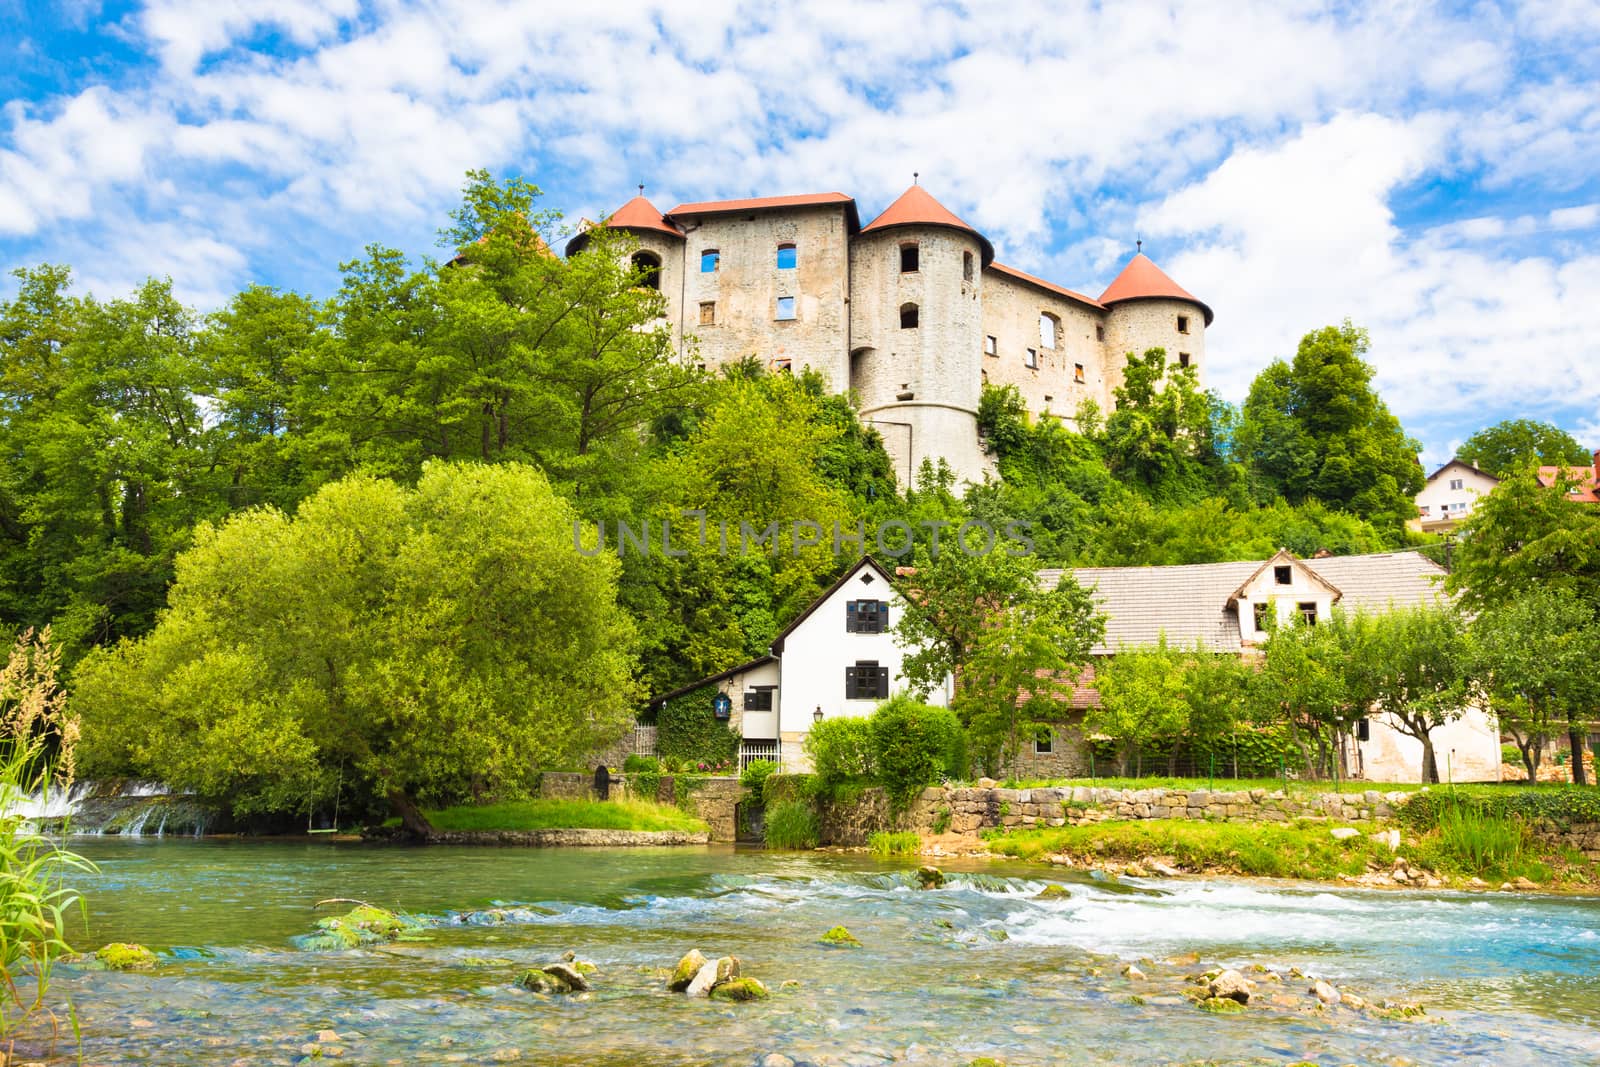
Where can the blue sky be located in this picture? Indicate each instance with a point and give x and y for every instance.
(1431, 172)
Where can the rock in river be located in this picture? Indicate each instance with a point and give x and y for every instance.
(740, 989)
(569, 974)
(1326, 993)
(1231, 985)
(930, 878)
(839, 937)
(685, 971)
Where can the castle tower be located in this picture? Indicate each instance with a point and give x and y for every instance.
(916, 333)
(1146, 309)
(659, 256)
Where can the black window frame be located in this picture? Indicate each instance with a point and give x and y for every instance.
(873, 620)
(762, 695)
(866, 680)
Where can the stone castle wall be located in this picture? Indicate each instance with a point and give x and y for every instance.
(1144, 324)
(1011, 311)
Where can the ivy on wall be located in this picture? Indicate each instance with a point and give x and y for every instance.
(687, 730)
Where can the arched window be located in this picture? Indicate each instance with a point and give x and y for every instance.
(710, 260)
(908, 258)
(1049, 329)
(966, 266)
(647, 267)
(788, 257)
(908, 316)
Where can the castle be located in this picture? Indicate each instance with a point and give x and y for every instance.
(910, 312)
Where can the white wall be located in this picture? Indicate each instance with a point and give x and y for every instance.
(1437, 494)
(1286, 599)
(1467, 750)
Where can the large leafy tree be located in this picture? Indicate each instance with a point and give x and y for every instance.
(400, 644)
(1301, 683)
(1143, 699)
(1316, 429)
(1413, 665)
(1510, 445)
(1536, 654)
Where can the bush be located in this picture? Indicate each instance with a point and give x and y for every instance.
(644, 776)
(840, 749)
(687, 731)
(897, 843)
(912, 746)
(754, 777)
(792, 824)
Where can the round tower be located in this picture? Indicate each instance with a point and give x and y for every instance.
(658, 256)
(917, 333)
(1146, 309)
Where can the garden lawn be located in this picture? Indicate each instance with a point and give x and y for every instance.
(561, 814)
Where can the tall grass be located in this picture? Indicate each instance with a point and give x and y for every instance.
(37, 736)
(792, 824)
(895, 843)
(1466, 840)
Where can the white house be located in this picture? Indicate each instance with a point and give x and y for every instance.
(1449, 494)
(839, 657)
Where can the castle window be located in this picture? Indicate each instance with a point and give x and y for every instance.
(908, 316)
(990, 346)
(1077, 372)
(785, 308)
(1049, 327)
(782, 366)
(788, 257)
(710, 260)
(908, 259)
(966, 266)
(647, 265)
(708, 313)
(1031, 359)
(1183, 359)
(1183, 324)
(1099, 333)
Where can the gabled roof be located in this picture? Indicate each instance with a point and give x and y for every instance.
(1587, 489)
(917, 207)
(864, 561)
(1462, 463)
(1049, 287)
(1141, 279)
(729, 673)
(1282, 556)
(770, 203)
(1197, 602)
(638, 214)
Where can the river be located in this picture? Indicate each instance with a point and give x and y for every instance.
(979, 968)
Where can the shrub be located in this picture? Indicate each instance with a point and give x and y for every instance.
(897, 843)
(792, 824)
(840, 749)
(941, 821)
(912, 745)
(644, 776)
(754, 777)
(687, 731)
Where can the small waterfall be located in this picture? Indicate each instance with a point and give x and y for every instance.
(128, 808)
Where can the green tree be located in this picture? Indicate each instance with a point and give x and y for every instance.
(1301, 684)
(1143, 699)
(913, 746)
(1315, 429)
(1019, 672)
(1414, 665)
(1522, 535)
(404, 642)
(1536, 655)
(1511, 444)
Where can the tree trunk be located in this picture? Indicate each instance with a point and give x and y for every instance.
(411, 816)
(1580, 775)
(1430, 764)
(1532, 750)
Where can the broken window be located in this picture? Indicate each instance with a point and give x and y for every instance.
(1283, 575)
(1308, 612)
(1261, 617)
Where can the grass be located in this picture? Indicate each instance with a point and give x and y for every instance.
(895, 843)
(1271, 850)
(563, 814)
(1216, 785)
(791, 824)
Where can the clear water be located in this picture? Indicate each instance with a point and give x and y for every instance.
(1506, 979)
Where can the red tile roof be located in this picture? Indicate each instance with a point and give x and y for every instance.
(641, 214)
(917, 207)
(766, 203)
(1141, 279)
(1587, 489)
(1049, 287)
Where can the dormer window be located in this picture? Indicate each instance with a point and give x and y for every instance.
(1283, 575)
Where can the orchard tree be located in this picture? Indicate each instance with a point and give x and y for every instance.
(1143, 699)
(1414, 665)
(407, 643)
(1301, 684)
(1510, 445)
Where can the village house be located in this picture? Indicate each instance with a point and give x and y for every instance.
(911, 313)
(1585, 487)
(1449, 495)
(841, 658)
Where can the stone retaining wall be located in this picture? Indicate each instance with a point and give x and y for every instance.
(1583, 836)
(715, 800)
(568, 838)
(974, 809)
